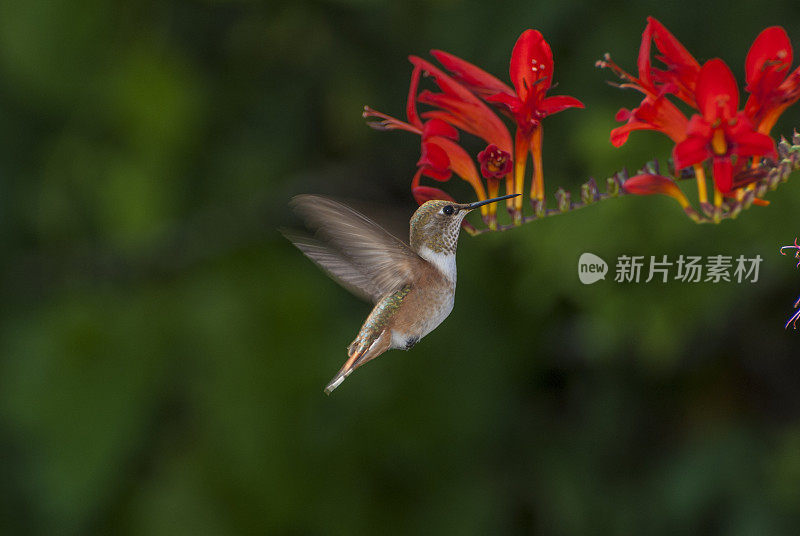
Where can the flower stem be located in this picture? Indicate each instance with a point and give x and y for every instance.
(537, 184)
(772, 173)
(702, 192)
(717, 205)
(493, 185)
(521, 144)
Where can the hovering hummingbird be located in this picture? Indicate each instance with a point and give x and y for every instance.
(412, 285)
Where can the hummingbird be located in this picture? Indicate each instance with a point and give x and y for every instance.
(412, 284)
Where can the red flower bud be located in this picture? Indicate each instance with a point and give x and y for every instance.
(495, 162)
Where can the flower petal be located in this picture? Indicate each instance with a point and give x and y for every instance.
(458, 159)
(531, 62)
(472, 76)
(747, 141)
(698, 127)
(495, 163)
(411, 100)
(447, 117)
(723, 174)
(751, 143)
(768, 60)
(474, 116)
(717, 93)
(427, 193)
(445, 82)
(435, 161)
(469, 116)
(511, 102)
(438, 127)
(652, 114)
(557, 103)
(620, 135)
(644, 62)
(648, 184)
(682, 68)
(623, 114)
(692, 150)
(771, 90)
(664, 116)
(790, 88)
(435, 174)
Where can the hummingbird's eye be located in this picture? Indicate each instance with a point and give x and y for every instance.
(448, 210)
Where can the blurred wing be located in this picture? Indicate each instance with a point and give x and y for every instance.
(356, 251)
(339, 267)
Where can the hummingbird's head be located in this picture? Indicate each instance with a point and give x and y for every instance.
(436, 224)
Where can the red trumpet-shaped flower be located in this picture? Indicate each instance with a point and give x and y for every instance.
(679, 77)
(772, 89)
(436, 159)
(428, 193)
(495, 162)
(459, 107)
(441, 155)
(531, 73)
(732, 141)
(721, 133)
(649, 184)
(460, 100)
(654, 113)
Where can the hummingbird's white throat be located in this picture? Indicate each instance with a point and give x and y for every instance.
(444, 261)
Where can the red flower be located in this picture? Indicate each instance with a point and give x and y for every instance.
(720, 133)
(531, 73)
(647, 184)
(656, 112)
(459, 107)
(426, 193)
(440, 154)
(495, 162)
(766, 68)
(682, 69)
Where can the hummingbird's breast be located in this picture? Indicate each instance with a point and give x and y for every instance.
(428, 303)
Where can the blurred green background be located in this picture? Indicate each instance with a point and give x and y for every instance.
(163, 349)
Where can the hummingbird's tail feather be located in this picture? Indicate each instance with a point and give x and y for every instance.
(337, 380)
(349, 366)
(359, 352)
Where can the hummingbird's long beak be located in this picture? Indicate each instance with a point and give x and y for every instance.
(487, 201)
